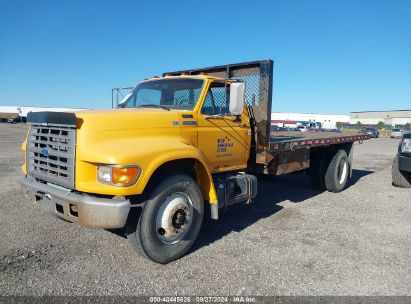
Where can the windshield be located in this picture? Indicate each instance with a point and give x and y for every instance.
(181, 94)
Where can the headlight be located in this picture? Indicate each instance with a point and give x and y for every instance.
(118, 175)
(406, 145)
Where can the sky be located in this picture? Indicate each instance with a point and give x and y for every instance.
(330, 56)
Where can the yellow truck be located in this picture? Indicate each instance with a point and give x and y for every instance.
(177, 147)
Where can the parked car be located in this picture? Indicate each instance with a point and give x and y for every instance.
(17, 119)
(373, 132)
(396, 133)
(315, 130)
(275, 128)
(401, 166)
(3, 119)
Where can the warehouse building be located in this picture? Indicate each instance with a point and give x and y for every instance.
(13, 111)
(396, 118)
(327, 121)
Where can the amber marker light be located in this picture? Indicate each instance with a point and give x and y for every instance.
(124, 176)
(121, 176)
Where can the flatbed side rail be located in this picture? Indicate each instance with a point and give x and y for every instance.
(304, 143)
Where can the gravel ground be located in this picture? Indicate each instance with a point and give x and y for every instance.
(292, 240)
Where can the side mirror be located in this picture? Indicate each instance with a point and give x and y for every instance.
(237, 90)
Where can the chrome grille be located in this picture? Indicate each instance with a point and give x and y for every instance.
(51, 154)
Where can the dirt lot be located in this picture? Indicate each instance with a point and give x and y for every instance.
(292, 240)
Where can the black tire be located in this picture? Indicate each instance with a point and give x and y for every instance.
(316, 170)
(150, 240)
(337, 173)
(399, 178)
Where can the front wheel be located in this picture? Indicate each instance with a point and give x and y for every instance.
(170, 221)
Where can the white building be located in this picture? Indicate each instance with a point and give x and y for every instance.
(328, 121)
(22, 110)
(392, 118)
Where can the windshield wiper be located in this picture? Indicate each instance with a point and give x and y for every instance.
(149, 105)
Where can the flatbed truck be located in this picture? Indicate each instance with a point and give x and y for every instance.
(177, 147)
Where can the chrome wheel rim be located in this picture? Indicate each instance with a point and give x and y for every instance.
(342, 170)
(174, 218)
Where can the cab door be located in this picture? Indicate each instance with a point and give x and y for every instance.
(224, 139)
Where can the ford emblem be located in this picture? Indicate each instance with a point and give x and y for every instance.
(45, 152)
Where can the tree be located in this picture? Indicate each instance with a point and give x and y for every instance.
(407, 126)
(380, 125)
(358, 125)
(339, 125)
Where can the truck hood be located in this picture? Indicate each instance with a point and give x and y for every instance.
(104, 125)
(115, 119)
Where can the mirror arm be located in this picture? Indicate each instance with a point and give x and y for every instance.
(237, 118)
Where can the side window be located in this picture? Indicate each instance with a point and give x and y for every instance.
(208, 105)
(186, 96)
(217, 100)
(148, 96)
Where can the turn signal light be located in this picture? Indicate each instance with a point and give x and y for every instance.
(124, 176)
(118, 175)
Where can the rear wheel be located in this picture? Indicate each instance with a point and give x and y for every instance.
(170, 221)
(400, 178)
(337, 172)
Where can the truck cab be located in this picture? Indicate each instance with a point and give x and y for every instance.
(204, 117)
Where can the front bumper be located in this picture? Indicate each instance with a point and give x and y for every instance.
(404, 163)
(83, 209)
